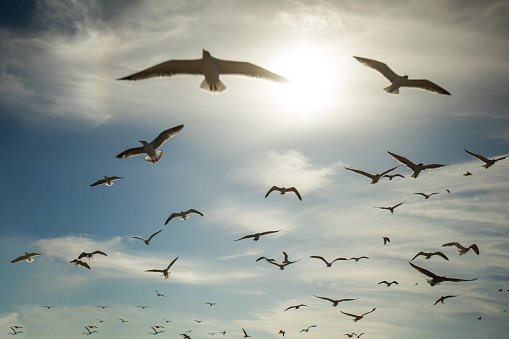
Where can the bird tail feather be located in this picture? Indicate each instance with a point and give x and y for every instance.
(156, 158)
(390, 90)
(216, 87)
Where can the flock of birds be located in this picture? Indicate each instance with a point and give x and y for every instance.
(211, 68)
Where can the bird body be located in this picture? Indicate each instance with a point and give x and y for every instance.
(328, 264)
(386, 240)
(461, 249)
(147, 241)
(358, 317)
(436, 279)
(256, 236)
(108, 181)
(183, 215)
(428, 255)
(77, 263)
(166, 273)
(488, 162)
(374, 177)
(27, 256)
(426, 196)
(416, 168)
(442, 298)
(358, 258)
(283, 190)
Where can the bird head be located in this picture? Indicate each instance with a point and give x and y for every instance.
(206, 54)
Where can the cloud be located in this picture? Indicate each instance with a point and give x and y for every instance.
(303, 17)
(9, 318)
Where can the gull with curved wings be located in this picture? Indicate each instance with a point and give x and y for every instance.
(210, 304)
(283, 190)
(159, 294)
(13, 329)
(282, 265)
(282, 332)
(266, 259)
(155, 331)
(166, 273)
(328, 264)
(488, 162)
(392, 176)
(415, 168)
(398, 81)
(358, 317)
(335, 302)
(442, 298)
(208, 66)
(391, 208)
(296, 307)
(388, 283)
(358, 258)
(48, 306)
(256, 236)
(286, 261)
(91, 254)
(426, 196)
(350, 335)
(153, 155)
(386, 240)
(245, 333)
(27, 256)
(307, 329)
(461, 249)
(183, 215)
(428, 255)
(374, 177)
(147, 241)
(436, 279)
(108, 181)
(77, 263)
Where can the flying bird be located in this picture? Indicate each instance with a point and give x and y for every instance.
(155, 331)
(386, 240)
(398, 81)
(282, 265)
(328, 264)
(147, 241)
(286, 261)
(256, 236)
(245, 333)
(266, 259)
(150, 149)
(415, 168)
(374, 177)
(283, 191)
(198, 321)
(210, 304)
(77, 263)
(488, 162)
(426, 196)
(388, 283)
(142, 307)
(392, 176)
(88, 331)
(14, 332)
(183, 215)
(461, 249)
(103, 307)
(350, 335)
(91, 254)
(358, 317)
(436, 279)
(208, 66)
(442, 298)
(107, 180)
(282, 332)
(123, 321)
(467, 174)
(307, 329)
(358, 258)
(391, 208)
(335, 302)
(428, 255)
(296, 307)
(166, 273)
(48, 307)
(27, 256)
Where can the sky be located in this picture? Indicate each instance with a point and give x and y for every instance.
(64, 117)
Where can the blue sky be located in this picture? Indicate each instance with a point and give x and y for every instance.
(64, 117)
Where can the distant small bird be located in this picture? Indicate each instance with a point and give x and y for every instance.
(436, 279)
(426, 196)
(283, 191)
(150, 149)
(103, 307)
(256, 236)
(27, 256)
(358, 258)
(223, 332)
(391, 208)
(442, 298)
(101, 321)
(388, 283)
(147, 241)
(479, 318)
(296, 307)
(14, 332)
(488, 162)
(467, 174)
(208, 66)
(448, 191)
(166, 273)
(183, 215)
(286, 261)
(143, 307)
(266, 259)
(91, 254)
(428, 255)
(374, 177)
(123, 321)
(89, 332)
(245, 333)
(210, 304)
(198, 321)
(328, 264)
(392, 176)
(282, 332)
(77, 263)
(463, 250)
(386, 240)
(48, 307)
(358, 317)
(353, 334)
(307, 329)
(398, 81)
(155, 331)
(416, 169)
(107, 180)
(335, 302)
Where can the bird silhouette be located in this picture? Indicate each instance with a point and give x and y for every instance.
(416, 168)
(426, 196)
(27, 256)
(428, 255)
(282, 332)
(328, 264)
(463, 250)
(388, 283)
(296, 307)
(358, 317)
(283, 190)
(210, 304)
(91, 254)
(123, 321)
(392, 176)
(442, 298)
(358, 258)
(166, 273)
(108, 181)
(436, 279)
(386, 240)
(391, 208)
(183, 215)
(147, 241)
(374, 177)
(488, 162)
(256, 236)
(48, 307)
(245, 333)
(77, 263)
(307, 329)
(335, 302)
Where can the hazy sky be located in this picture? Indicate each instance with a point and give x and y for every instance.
(64, 117)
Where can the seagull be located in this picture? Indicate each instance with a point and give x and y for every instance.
(89, 332)
(307, 329)
(256, 236)
(281, 266)
(107, 180)
(103, 307)
(296, 307)
(245, 333)
(101, 321)
(223, 332)
(386, 240)
(391, 208)
(415, 168)
(426, 196)
(283, 190)
(388, 283)
(357, 259)
(392, 176)
(286, 261)
(428, 255)
(329, 264)
(147, 241)
(462, 250)
(77, 263)
(165, 271)
(167, 321)
(48, 307)
(488, 162)
(374, 177)
(350, 335)
(208, 66)
(153, 156)
(155, 331)
(282, 332)
(358, 317)
(442, 298)
(90, 255)
(334, 301)
(27, 256)
(398, 81)
(123, 321)
(266, 259)
(210, 304)
(436, 279)
(448, 191)
(14, 332)
(143, 307)
(183, 215)
(198, 321)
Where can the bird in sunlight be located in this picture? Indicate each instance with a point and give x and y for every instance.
(428, 255)
(183, 215)
(388, 283)
(108, 181)
(416, 169)
(77, 263)
(386, 240)
(256, 236)
(358, 317)
(467, 174)
(165, 272)
(307, 329)
(374, 177)
(488, 162)
(155, 330)
(223, 332)
(392, 176)
(328, 264)
(442, 298)
(14, 332)
(123, 321)
(143, 307)
(426, 196)
(208, 66)
(153, 155)
(185, 336)
(335, 302)
(296, 307)
(245, 333)
(89, 332)
(436, 279)
(103, 307)
(147, 241)
(283, 190)
(391, 208)
(210, 304)
(91, 254)
(398, 81)
(28, 257)
(281, 332)
(358, 258)
(461, 249)
(48, 307)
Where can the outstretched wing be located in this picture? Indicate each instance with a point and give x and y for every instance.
(138, 238)
(165, 135)
(153, 235)
(246, 236)
(456, 279)
(272, 189)
(248, 70)
(441, 255)
(403, 160)
(432, 166)
(457, 244)
(418, 254)
(474, 248)
(389, 170)
(155, 270)
(173, 215)
(351, 315)
(172, 263)
(83, 254)
(131, 152)
(380, 67)
(369, 311)
(320, 257)
(366, 174)
(425, 85)
(99, 252)
(423, 271)
(192, 210)
(168, 69)
(401, 203)
(293, 189)
(269, 232)
(99, 182)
